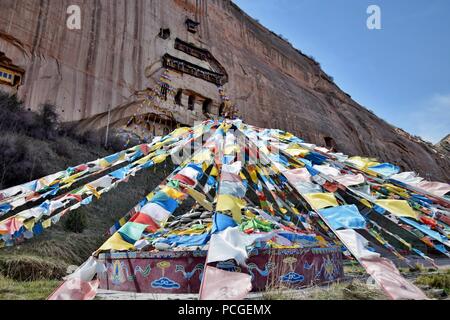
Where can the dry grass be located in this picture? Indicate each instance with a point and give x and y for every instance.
(17, 290)
(31, 268)
(438, 280)
(354, 290)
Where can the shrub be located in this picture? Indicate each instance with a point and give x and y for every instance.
(122, 139)
(75, 222)
(15, 118)
(19, 160)
(30, 268)
(440, 280)
(49, 121)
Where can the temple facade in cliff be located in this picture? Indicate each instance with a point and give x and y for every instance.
(192, 52)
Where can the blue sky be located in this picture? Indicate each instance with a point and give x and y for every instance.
(401, 72)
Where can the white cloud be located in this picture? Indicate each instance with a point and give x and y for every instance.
(431, 119)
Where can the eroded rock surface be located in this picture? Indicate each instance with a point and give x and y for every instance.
(444, 145)
(118, 52)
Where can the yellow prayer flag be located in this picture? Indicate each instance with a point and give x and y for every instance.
(214, 172)
(249, 214)
(322, 242)
(160, 158)
(150, 196)
(226, 202)
(362, 163)
(253, 174)
(285, 135)
(70, 179)
(204, 166)
(180, 131)
(157, 145)
(203, 156)
(321, 200)
(399, 208)
(103, 163)
(366, 203)
(115, 242)
(200, 198)
(400, 191)
(29, 224)
(93, 190)
(173, 193)
(47, 223)
(193, 231)
(122, 156)
(297, 152)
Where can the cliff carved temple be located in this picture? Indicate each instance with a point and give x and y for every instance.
(124, 45)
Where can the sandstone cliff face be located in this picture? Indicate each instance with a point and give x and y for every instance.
(118, 51)
(444, 145)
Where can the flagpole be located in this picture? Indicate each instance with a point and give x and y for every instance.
(107, 126)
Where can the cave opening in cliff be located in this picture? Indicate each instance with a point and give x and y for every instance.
(164, 33)
(178, 97)
(206, 108)
(330, 143)
(191, 102)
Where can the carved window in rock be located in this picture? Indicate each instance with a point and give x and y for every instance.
(10, 74)
(178, 97)
(164, 33)
(206, 108)
(10, 77)
(203, 55)
(164, 91)
(191, 102)
(192, 26)
(193, 70)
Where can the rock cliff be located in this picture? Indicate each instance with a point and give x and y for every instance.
(119, 51)
(444, 145)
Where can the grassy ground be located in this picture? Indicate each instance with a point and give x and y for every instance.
(352, 290)
(26, 290)
(436, 280)
(355, 290)
(435, 284)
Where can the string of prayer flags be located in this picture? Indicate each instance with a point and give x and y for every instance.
(306, 196)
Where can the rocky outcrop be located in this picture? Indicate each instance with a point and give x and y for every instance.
(118, 52)
(444, 145)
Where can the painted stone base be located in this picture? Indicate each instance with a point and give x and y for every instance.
(181, 272)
